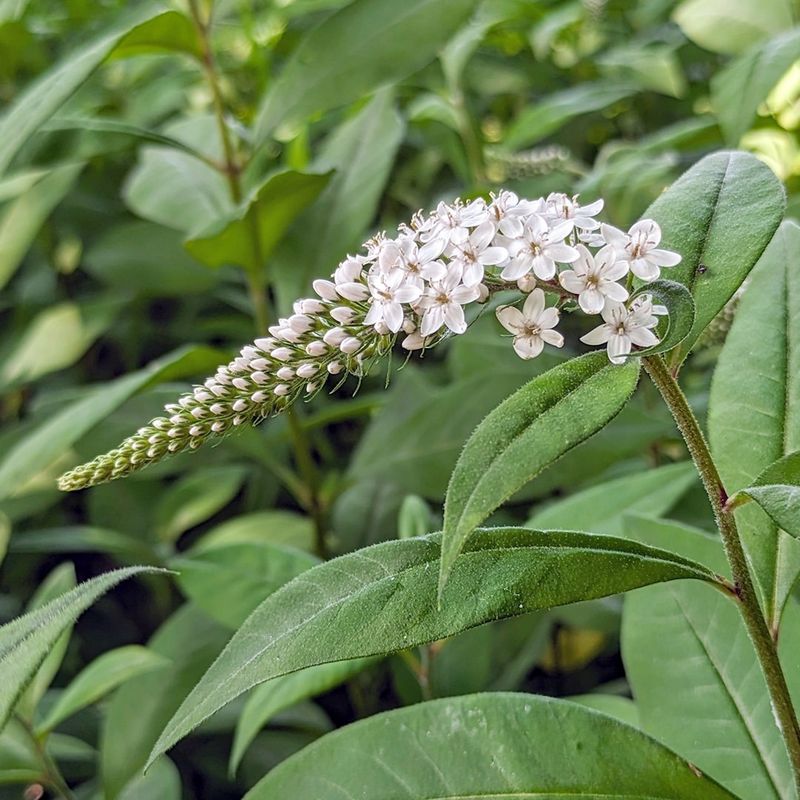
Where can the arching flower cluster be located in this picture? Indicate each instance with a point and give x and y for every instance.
(413, 287)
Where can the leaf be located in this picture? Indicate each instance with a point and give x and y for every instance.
(317, 77)
(26, 641)
(731, 26)
(230, 581)
(740, 88)
(97, 679)
(688, 657)
(276, 527)
(674, 328)
(24, 217)
(82, 539)
(545, 117)
(700, 217)
(531, 429)
(491, 746)
(777, 491)
(754, 408)
(196, 497)
(269, 211)
(384, 598)
(41, 448)
(39, 102)
(602, 508)
(613, 705)
(141, 707)
(162, 782)
(275, 695)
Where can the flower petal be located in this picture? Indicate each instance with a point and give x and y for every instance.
(454, 317)
(599, 335)
(643, 337)
(664, 258)
(552, 337)
(619, 346)
(511, 319)
(591, 301)
(571, 281)
(548, 318)
(534, 305)
(528, 347)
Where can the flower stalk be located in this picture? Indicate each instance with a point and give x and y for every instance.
(744, 589)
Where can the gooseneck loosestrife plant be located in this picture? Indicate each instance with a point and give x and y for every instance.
(411, 291)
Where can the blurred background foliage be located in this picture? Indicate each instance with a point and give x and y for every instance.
(171, 178)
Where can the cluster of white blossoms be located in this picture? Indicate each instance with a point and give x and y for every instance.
(414, 287)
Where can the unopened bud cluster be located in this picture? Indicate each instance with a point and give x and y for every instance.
(414, 287)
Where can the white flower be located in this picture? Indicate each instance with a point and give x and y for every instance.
(442, 303)
(475, 253)
(624, 327)
(508, 212)
(532, 326)
(420, 263)
(538, 248)
(388, 293)
(450, 224)
(594, 277)
(562, 207)
(639, 247)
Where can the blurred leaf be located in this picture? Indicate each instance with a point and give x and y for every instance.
(375, 35)
(777, 491)
(602, 508)
(196, 497)
(26, 641)
(415, 518)
(162, 782)
(700, 218)
(731, 26)
(754, 407)
(23, 218)
(279, 693)
(650, 66)
(141, 707)
(229, 581)
(99, 678)
(52, 439)
(688, 657)
(621, 708)
(5, 535)
(384, 598)
(82, 539)
(19, 182)
(738, 90)
(673, 329)
(493, 746)
(275, 527)
(531, 429)
(676, 537)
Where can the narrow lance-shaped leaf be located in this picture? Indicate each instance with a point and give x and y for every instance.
(384, 598)
(531, 429)
(491, 746)
(26, 641)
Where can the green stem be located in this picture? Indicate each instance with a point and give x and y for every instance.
(51, 774)
(744, 590)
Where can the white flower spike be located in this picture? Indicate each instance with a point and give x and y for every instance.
(533, 326)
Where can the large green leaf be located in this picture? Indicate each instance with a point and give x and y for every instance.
(26, 641)
(701, 218)
(39, 102)
(754, 408)
(52, 439)
(491, 746)
(326, 70)
(384, 598)
(696, 679)
(739, 89)
(531, 429)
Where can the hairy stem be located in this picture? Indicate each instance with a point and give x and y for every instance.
(51, 774)
(744, 590)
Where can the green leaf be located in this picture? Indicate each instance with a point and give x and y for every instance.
(230, 581)
(738, 90)
(613, 705)
(536, 425)
(23, 218)
(318, 77)
(674, 328)
(82, 539)
(278, 694)
(732, 26)
(602, 508)
(538, 121)
(384, 598)
(96, 680)
(39, 102)
(777, 491)
(414, 519)
(491, 746)
(269, 211)
(195, 498)
(26, 641)
(276, 527)
(700, 217)
(42, 448)
(754, 408)
(688, 657)
(162, 782)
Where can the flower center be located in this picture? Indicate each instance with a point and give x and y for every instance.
(529, 329)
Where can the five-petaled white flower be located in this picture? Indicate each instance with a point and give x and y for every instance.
(475, 253)
(533, 326)
(639, 247)
(442, 303)
(538, 248)
(561, 206)
(594, 278)
(624, 327)
(388, 293)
